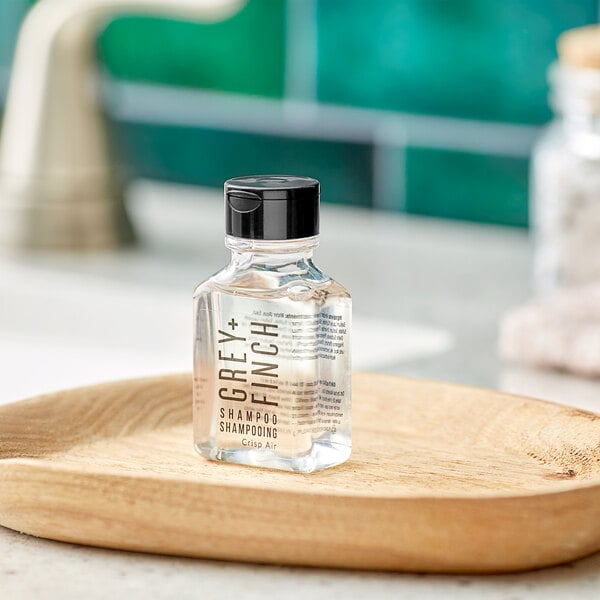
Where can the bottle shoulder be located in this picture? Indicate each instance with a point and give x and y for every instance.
(260, 284)
(563, 146)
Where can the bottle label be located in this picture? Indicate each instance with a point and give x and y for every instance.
(280, 374)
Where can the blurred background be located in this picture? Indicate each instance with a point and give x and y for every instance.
(421, 118)
(427, 107)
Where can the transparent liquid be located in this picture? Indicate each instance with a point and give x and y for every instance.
(272, 370)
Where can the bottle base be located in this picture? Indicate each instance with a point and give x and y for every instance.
(321, 456)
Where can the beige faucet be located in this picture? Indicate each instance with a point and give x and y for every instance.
(59, 186)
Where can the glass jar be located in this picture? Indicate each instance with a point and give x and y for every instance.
(565, 182)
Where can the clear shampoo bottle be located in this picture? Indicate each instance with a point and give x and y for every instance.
(272, 371)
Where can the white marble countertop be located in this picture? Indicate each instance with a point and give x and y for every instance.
(433, 291)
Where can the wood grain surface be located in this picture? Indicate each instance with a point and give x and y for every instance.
(443, 478)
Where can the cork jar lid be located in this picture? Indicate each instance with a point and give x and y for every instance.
(580, 47)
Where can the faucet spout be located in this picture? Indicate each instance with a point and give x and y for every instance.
(59, 186)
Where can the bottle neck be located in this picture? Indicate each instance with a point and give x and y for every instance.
(274, 252)
(575, 96)
(575, 99)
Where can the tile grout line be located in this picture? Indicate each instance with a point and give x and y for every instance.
(300, 77)
(389, 167)
(145, 103)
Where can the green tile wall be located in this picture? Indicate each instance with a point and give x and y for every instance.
(243, 54)
(11, 15)
(481, 59)
(460, 185)
(209, 157)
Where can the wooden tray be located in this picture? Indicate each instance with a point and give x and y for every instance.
(443, 478)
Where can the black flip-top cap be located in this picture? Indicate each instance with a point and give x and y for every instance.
(272, 207)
